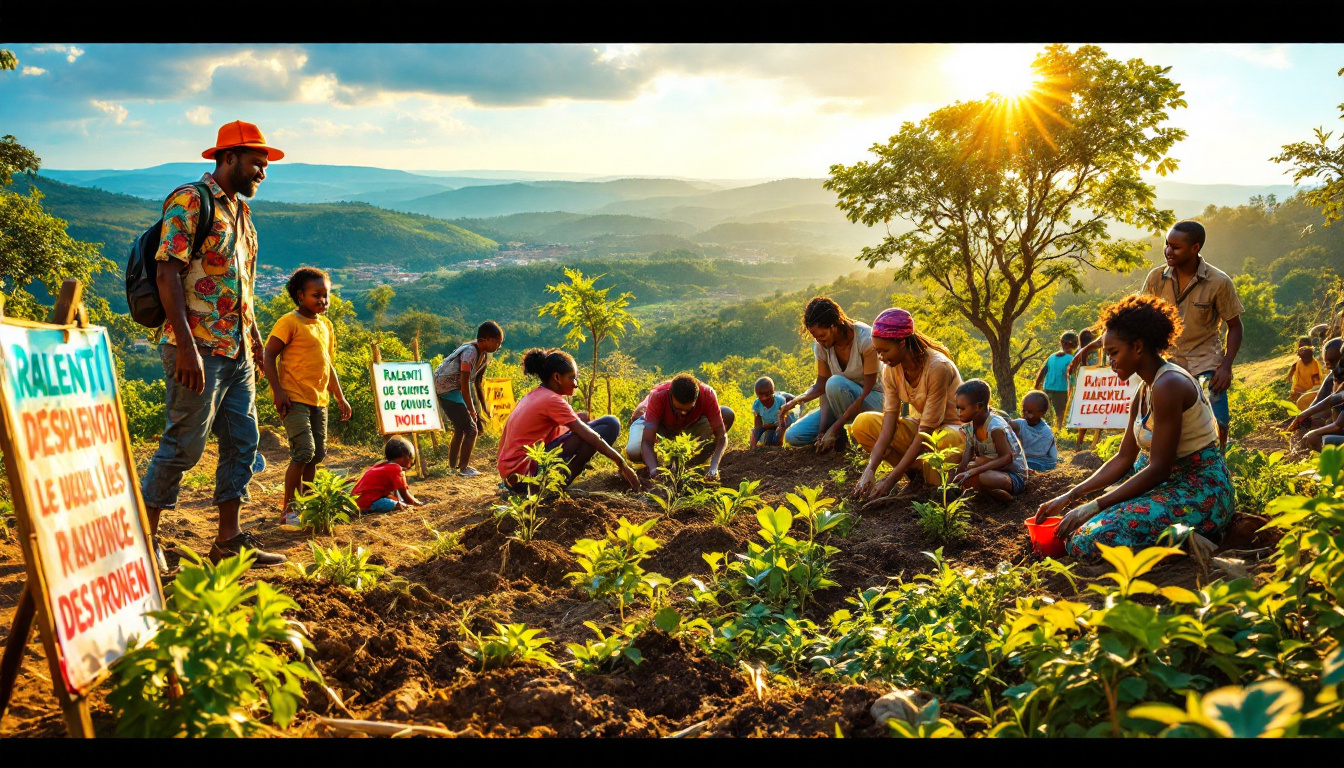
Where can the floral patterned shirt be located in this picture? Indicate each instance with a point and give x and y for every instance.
(218, 283)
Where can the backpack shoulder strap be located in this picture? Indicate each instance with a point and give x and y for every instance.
(205, 218)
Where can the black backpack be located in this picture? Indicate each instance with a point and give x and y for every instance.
(142, 290)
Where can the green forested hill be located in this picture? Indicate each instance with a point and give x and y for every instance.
(326, 235)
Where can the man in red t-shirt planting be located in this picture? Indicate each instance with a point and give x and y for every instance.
(673, 407)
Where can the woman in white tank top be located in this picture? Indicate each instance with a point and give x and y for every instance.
(1169, 461)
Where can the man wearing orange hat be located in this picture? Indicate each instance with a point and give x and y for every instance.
(207, 295)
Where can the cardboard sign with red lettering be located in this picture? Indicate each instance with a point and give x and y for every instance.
(405, 396)
(1101, 399)
(76, 495)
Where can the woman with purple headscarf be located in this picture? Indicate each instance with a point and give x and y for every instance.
(917, 370)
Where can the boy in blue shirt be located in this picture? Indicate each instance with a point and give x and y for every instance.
(1038, 440)
(767, 430)
(1055, 376)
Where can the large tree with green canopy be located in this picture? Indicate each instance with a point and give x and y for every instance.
(1011, 197)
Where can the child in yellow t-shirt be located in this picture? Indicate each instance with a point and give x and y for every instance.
(305, 379)
(1305, 374)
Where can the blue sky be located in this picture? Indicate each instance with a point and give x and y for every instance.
(704, 111)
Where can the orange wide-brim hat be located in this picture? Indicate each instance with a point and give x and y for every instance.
(242, 135)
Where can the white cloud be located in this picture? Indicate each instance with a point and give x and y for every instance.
(32, 71)
(72, 52)
(1274, 57)
(112, 109)
(198, 116)
(312, 126)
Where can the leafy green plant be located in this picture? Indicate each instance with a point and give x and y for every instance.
(1260, 477)
(510, 645)
(784, 572)
(326, 502)
(839, 477)
(610, 567)
(442, 545)
(606, 653)
(940, 631)
(1252, 407)
(212, 670)
(683, 486)
(1109, 446)
(522, 510)
(1265, 709)
(546, 483)
(195, 481)
(552, 472)
(728, 502)
(344, 566)
(943, 520)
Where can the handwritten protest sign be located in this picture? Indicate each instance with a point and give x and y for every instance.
(1101, 399)
(405, 396)
(75, 494)
(499, 396)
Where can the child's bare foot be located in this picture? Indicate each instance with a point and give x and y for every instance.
(1000, 494)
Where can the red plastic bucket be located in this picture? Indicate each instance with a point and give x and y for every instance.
(1043, 541)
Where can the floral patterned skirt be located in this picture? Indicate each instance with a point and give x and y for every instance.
(1198, 494)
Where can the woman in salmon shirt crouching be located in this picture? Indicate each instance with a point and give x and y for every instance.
(544, 415)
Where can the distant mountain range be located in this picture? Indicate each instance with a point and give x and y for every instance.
(604, 215)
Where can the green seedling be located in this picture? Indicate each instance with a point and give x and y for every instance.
(1258, 477)
(326, 502)
(511, 644)
(213, 668)
(839, 477)
(728, 502)
(682, 486)
(946, 520)
(442, 545)
(344, 566)
(547, 483)
(606, 653)
(610, 567)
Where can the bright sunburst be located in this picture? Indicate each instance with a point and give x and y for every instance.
(1005, 70)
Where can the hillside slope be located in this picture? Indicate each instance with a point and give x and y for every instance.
(327, 235)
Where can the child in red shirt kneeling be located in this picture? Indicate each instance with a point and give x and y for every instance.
(382, 487)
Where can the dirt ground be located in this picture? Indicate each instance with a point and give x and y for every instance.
(395, 656)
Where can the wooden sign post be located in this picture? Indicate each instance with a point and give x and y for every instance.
(81, 521)
(403, 395)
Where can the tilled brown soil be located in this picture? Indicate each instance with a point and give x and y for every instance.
(394, 653)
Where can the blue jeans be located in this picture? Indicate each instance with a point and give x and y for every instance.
(772, 435)
(385, 504)
(840, 394)
(227, 407)
(1218, 400)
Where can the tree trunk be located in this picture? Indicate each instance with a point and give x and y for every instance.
(1001, 360)
(592, 383)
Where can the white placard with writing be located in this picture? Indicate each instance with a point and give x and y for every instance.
(78, 493)
(1101, 399)
(405, 396)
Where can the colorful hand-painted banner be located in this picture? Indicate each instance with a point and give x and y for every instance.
(1101, 399)
(405, 396)
(75, 490)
